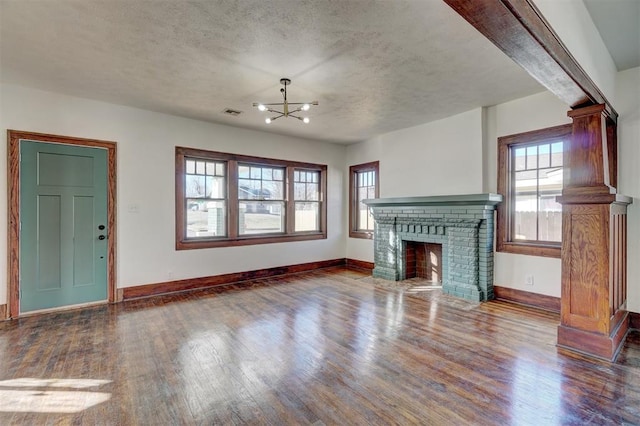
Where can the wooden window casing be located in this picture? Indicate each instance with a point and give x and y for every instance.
(232, 235)
(506, 241)
(372, 170)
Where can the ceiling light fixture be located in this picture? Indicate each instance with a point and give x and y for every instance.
(285, 106)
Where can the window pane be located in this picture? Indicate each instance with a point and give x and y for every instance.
(299, 190)
(249, 189)
(313, 192)
(307, 217)
(525, 217)
(365, 220)
(243, 171)
(537, 217)
(556, 154)
(526, 180)
(362, 193)
(272, 190)
(366, 189)
(306, 187)
(544, 157)
(220, 169)
(550, 180)
(371, 192)
(261, 217)
(216, 187)
(200, 167)
(261, 183)
(267, 174)
(532, 157)
(362, 180)
(549, 211)
(519, 159)
(194, 186)
(206, 218)
(191, 167)
(549, 219)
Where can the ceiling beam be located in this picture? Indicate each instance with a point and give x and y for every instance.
(518, 29)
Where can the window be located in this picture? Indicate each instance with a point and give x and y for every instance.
(307, 200)
(261, 199)
(227, 200)
(530, 177)
(205, 185)
(363, 184)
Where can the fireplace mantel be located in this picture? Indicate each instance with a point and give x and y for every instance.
(488, 199)
(462, 224)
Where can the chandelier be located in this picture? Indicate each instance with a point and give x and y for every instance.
(285, 106)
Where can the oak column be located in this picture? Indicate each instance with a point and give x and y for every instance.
(593, 316)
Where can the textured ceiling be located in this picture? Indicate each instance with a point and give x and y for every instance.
(374, 66)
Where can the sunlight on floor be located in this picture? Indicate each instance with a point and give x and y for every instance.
(39, 399)
(420, 288)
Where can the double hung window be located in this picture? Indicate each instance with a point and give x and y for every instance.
(363, 184)
(226, 199)
(530, 177)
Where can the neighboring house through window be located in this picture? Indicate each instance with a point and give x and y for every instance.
(530, 177)
(227, 200)
(363, 184)
(307, 199)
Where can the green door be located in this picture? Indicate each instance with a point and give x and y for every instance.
(63, 215)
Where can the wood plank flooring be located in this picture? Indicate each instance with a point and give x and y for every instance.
(318, 348)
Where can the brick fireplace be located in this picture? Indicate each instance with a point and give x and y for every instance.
(462, 225)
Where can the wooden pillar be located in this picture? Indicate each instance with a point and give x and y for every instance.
(593, 319)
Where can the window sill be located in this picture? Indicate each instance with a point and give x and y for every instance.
(246, 241)
(529, 249)
(368, 235)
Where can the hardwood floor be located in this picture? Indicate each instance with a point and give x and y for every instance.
(323, 347)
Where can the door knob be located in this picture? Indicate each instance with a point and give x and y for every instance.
(101, 237)
(101, 227)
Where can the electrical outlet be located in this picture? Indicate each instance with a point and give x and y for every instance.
(528, 280)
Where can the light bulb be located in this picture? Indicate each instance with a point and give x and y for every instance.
(305, 120)
(262, 107)
(305, 107)
(267, 120)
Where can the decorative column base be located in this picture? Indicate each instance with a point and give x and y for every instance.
(597, 345)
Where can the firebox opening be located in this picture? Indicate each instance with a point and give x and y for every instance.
(423, 260)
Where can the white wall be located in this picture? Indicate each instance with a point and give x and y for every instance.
(437, 158)
(628, 106)
(146, 142)
(570, 19)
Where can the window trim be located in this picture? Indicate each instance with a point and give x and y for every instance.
(504, 240)
(353, 202)
(233, 238)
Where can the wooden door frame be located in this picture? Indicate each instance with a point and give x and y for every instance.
(13, 193)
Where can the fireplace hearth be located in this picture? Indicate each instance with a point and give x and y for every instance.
(461, 224)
